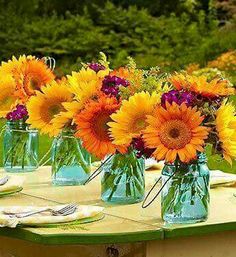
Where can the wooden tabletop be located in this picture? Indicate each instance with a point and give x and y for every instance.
(127, 223)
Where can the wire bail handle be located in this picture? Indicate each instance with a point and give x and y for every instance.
(97, 171)
(144, 204)
(50, 61)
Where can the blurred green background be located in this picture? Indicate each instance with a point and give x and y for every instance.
(170, 34)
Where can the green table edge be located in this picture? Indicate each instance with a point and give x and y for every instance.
(110, 238)
(198, 230)
(64, 239)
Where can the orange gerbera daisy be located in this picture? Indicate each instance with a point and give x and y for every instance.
(33, 75)
(175, 132)
(200, 85)
(92, 126)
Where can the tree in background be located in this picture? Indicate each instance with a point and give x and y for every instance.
(165, 33)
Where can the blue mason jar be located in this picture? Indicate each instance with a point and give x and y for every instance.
(186, 194)
(20, 147)
(71, 163)
(123, 179)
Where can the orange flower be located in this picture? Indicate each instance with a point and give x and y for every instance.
(122, 72)
(226, 61)
(14, 65)
(200, 85)
(93, 129)
(192, 67)
(175, 132)
(33, 75)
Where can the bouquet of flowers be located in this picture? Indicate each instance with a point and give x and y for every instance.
(194, 113)
(20, 79)
(109, 110)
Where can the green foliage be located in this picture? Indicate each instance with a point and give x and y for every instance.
(171, 41)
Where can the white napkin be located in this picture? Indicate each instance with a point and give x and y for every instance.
(12, 184)
(152, 164)
(83, 211)
(220, 178)
(217, 178)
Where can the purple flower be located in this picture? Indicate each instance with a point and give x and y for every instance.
(19, 113)
(141, 150)
(111, 84)
(96, 66)
(178, 97)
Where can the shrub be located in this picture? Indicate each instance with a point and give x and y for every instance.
(170, 41)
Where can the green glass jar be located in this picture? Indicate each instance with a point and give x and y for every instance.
(20, 147)
(186, 192)
(123, 179)
(71, 163)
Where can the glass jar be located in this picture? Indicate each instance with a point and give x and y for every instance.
(186, 194)
(123, 179)
(20, 147)
(71, 163)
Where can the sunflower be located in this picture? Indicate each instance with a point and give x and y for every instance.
(175, 132)
(84, 84)
(14, 65)
(200, 85)
(226, 130)
(92, 126)
(32, 76)
(46, 110)
(7, 94)
(130, 121)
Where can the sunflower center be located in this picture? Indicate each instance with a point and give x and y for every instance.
(100, 127)
(138, 125)
(175, 134)
(50, 111)
(6, 100)
(54, 110)
(31, 84)
(34, 83)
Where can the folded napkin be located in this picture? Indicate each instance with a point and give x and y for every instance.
(217, 178)
(12, 184)
(220, 178)
(83, 211)
(152, 164)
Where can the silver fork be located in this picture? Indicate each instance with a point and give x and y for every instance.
(4, 180)
(67, 210)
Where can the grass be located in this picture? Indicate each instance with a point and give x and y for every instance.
(214, 162)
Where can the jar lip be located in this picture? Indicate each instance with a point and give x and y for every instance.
(201, 158)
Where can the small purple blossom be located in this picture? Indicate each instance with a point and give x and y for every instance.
(96, 66)
(19, 113)
(111, 84)
(141, 150)
(178, 97)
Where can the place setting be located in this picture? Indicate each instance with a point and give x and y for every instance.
(10, 184)
(49, 216)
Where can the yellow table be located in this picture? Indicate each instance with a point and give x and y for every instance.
(125, 231)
